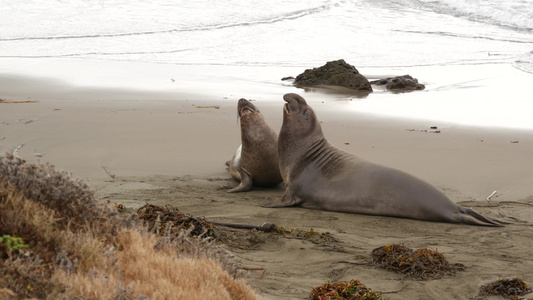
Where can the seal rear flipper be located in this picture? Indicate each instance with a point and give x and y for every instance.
(472, 217)
(245, 185)
(287, 200)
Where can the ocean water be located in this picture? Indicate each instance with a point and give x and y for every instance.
(376, 36)
(366, 33)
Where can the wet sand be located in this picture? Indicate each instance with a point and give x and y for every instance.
(170, 147)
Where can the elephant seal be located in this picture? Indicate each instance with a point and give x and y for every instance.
(318, 175)
(255, 163)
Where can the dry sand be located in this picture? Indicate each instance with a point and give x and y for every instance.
(155, 148)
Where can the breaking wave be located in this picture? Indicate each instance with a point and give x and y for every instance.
(517, 14)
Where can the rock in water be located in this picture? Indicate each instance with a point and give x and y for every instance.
(337, 73)
(404, 83)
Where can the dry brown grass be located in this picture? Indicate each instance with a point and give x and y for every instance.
(79, 248)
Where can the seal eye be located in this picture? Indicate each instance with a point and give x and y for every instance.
(306, 114)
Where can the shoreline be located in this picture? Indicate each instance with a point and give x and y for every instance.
(478, 95)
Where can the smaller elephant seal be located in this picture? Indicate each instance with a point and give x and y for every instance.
(318, 175)
(255, 163)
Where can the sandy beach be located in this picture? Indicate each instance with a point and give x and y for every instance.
(138, 100)
(170, 147)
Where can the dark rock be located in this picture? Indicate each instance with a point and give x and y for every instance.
(287, 78)
(380, 81)
(337, 73)
(404, 83)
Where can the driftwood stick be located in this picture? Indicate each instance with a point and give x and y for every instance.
(208, 106)
(16, 151)
(491, 195)
(266, 227)
(23, 101)
(107, 172)
(253, 268)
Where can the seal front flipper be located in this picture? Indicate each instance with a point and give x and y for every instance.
(287, 200)
(245, 185)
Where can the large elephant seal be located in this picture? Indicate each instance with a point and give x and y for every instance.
(255, 163)
(318, 175)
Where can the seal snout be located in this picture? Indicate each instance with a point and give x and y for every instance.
(286, 109)
(293, 103)
(244, 106)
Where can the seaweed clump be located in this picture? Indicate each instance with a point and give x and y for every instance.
(341, 290)
(169, 222)
(167, 219)
(422, 263)
(507, 288)
(309, 235)
(186, 234)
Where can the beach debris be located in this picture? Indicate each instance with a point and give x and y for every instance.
(353, 290)
(336, 73)
(16, 151)
(23, 101)
(253, 269)
(514, 142)
(309, 235)
(108, 173)
(491, 195)
(424, 130)
(208, 106)
(266, 227)
(422, 263)
(38, 154)
(119, 207)
(507, 288)
(252, 238)
(161, 219)
(258, 235)
(168, 221)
